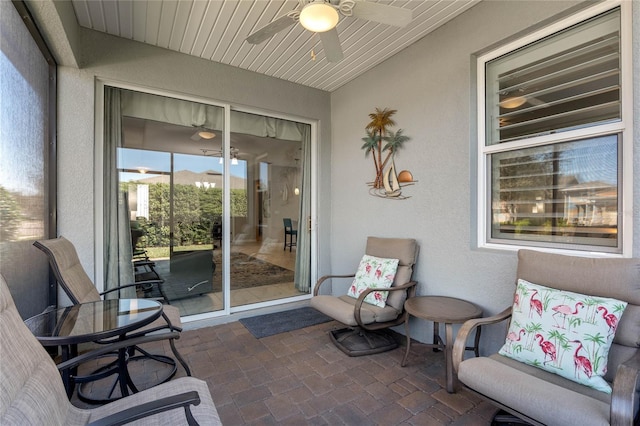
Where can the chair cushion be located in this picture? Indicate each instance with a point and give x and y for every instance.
(621, 279)
(341, 309)
(406, 251)
(535, 393)
(31, 391)
(567, 333)
(373, 272)
(69, 272)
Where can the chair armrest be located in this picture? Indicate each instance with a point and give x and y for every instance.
(327, 277)
(460, 344)
(154, 282)
(168, 326)
(624, 393)
(183, 400)
(360, 301)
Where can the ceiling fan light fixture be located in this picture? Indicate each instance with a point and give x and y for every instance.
(205, 134)
(319, 17)
(513, 102)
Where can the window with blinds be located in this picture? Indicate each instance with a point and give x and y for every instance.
(566, 81)
(563, 193)
(552, 136)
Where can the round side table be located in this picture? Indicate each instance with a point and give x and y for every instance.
(447, 310)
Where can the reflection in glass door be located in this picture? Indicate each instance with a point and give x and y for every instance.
(175, 205)
(215, 215)
(267, 176)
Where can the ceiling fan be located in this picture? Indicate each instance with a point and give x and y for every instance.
(322, 16)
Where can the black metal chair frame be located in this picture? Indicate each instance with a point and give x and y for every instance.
(291, 233)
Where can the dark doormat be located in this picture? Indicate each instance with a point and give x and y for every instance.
(280, 322)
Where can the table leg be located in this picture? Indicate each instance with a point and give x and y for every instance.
(436, 337)
(448, 356)
(66, 373)
(406, 352)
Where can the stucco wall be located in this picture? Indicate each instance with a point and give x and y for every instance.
(431, 85)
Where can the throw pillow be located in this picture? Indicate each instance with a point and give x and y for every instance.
(562, 332)
(374, 272)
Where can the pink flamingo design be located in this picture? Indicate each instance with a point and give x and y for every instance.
(516, 300)
(512, 337)
(547, 347)
(378, 273)
(565, 310)
(535, 304)
(611, 319)
(581, 362)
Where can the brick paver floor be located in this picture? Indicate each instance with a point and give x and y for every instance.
(301, 378)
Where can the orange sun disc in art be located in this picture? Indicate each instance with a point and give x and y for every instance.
(405, 176)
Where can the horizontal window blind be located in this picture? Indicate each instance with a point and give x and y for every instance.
(566, 81)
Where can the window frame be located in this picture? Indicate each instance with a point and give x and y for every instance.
(623, 127)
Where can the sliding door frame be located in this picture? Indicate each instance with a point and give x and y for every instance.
(226, 217)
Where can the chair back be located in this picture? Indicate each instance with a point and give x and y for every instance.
(69, 273)
(32, 390)
(406, 251)
(288, 225)
(615, 278)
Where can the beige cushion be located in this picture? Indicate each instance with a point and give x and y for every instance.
(616, 278)
(403, 249)
(31, 390)
(65, 263)
(535, 393)
(341, 309)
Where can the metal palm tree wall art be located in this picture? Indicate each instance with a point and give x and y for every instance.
(379, 142)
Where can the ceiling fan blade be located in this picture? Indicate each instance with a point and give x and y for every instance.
(271, 29)
(331, 45)
(382, 13)
(195, 136)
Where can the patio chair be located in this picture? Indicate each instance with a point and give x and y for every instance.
(77, 285)
(33, 392)
(367, 330)
(554, 367)
(290, 234)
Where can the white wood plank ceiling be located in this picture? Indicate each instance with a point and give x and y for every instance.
(216, 30)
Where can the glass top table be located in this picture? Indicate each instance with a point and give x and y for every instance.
(104, 321)
(88, 322)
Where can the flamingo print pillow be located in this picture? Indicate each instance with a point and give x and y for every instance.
(565, 333)
(374, 272)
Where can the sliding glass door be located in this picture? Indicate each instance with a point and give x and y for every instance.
(206, 210)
